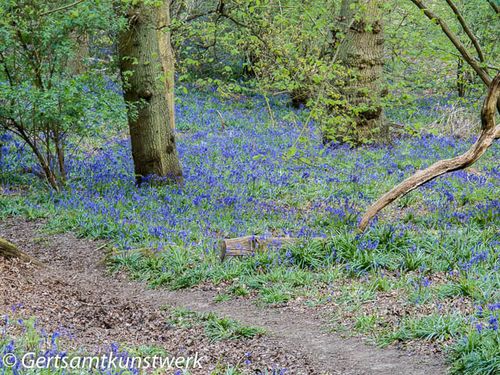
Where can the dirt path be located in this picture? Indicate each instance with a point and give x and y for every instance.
(74, 291)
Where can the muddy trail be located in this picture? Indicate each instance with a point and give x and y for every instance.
(76, 292)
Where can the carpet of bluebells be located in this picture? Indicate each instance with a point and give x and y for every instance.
(246, 174)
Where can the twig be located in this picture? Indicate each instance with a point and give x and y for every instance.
(61, 8)
(102, 246)
(222, 122)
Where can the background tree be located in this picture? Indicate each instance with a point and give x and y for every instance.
(361, 52)
(143, 71)
(168, 58)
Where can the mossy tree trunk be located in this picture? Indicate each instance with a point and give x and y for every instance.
(153, 140)
(361, 52)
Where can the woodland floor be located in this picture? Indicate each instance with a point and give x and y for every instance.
(75, 292)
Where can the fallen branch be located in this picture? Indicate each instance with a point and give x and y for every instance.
(248, 245)
(10, 251)
(489, 133)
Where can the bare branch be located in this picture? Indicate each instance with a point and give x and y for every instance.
(196, 16)
(456, 42)
(495, 7)
(489, 133)
(467, 30)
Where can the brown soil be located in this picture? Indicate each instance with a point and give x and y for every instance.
(75, 291)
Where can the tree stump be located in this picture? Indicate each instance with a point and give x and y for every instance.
(10, 251)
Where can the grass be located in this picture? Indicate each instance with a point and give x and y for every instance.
(476, 354)
(216, 328)
(434, 327)
(435, 246)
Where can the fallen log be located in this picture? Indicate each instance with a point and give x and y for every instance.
(10, 251)
(248, 245)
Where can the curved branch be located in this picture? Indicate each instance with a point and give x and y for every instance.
(489, 133)
(64, 7)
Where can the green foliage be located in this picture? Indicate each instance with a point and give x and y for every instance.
(424, 71)
(51, 88)
(477, 353)
(290, 47)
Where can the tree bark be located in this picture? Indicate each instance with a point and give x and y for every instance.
(168, 59)
(465, 77)
(153, 140)
(362, 53)
(489, 133)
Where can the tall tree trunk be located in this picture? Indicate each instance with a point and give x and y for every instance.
(361, 51)
(460, 79)
(167, 57)
(153, 140)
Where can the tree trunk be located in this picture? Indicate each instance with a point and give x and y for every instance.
(168, 59)
(461, 79)
(361, 51)
(76, 63)
(153, 140)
